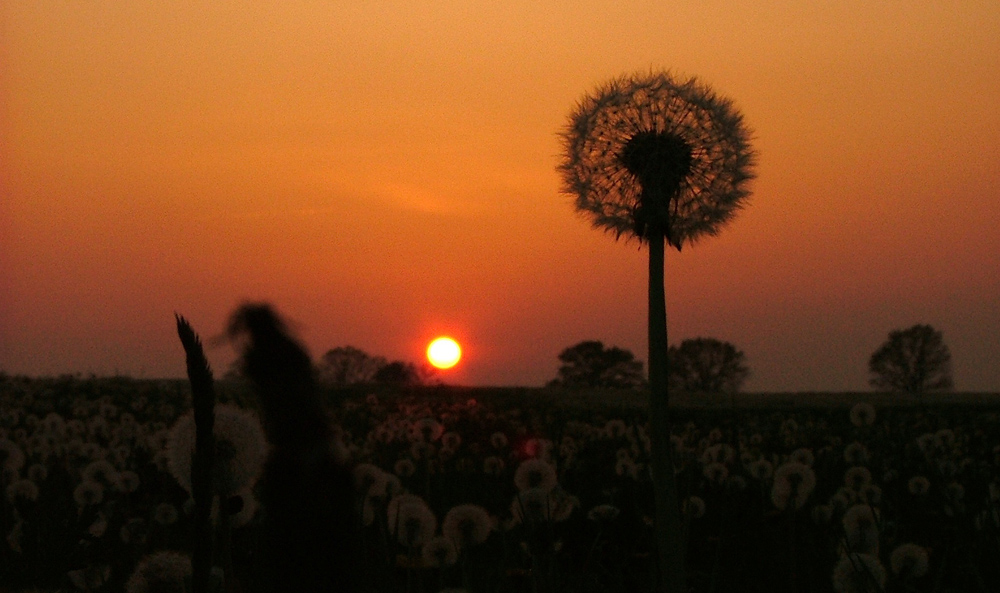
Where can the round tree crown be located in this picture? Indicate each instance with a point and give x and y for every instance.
(648, 155)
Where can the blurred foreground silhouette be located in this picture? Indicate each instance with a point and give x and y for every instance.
(307, 491)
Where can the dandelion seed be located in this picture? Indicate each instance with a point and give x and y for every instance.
(909, 561)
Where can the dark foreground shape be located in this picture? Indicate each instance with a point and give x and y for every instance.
(306, 489)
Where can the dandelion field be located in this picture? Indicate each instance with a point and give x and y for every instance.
(497, 490)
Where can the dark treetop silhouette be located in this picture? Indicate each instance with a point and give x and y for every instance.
(307, 490)
(912, 360)
(664, 161)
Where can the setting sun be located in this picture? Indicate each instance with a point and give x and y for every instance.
(444, 352)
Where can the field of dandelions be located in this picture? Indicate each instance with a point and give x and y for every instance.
(506, 490)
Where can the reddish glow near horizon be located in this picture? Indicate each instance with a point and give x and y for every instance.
(444, 352)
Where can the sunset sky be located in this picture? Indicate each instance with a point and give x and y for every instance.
(384, 172)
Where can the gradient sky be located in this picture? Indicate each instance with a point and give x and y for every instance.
(384, 172)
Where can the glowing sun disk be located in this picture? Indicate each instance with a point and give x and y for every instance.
(444, 352)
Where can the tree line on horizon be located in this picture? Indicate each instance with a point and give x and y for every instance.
(912, 360)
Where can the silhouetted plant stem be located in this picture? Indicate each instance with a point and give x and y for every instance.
(668, 528)
(790, 511)
(203, 401)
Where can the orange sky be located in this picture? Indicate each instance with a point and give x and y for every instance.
(384, 172)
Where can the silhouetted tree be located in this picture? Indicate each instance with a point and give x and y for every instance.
(347, 365)
(707, 365)
(398, 372)
(913, 360)
(590, 364)
(666, 162)
(309, 538)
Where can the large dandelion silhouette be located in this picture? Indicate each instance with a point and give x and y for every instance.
(665, 162)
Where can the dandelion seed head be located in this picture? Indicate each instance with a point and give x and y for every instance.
(862, 414)
(909, 561)
(404, 467)
(793, 482)
(493, 465)
(240, 450)
(467, 525)
(411, 520)
(535, 473)
(861, 529)
(857, 477)
(651, 150)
